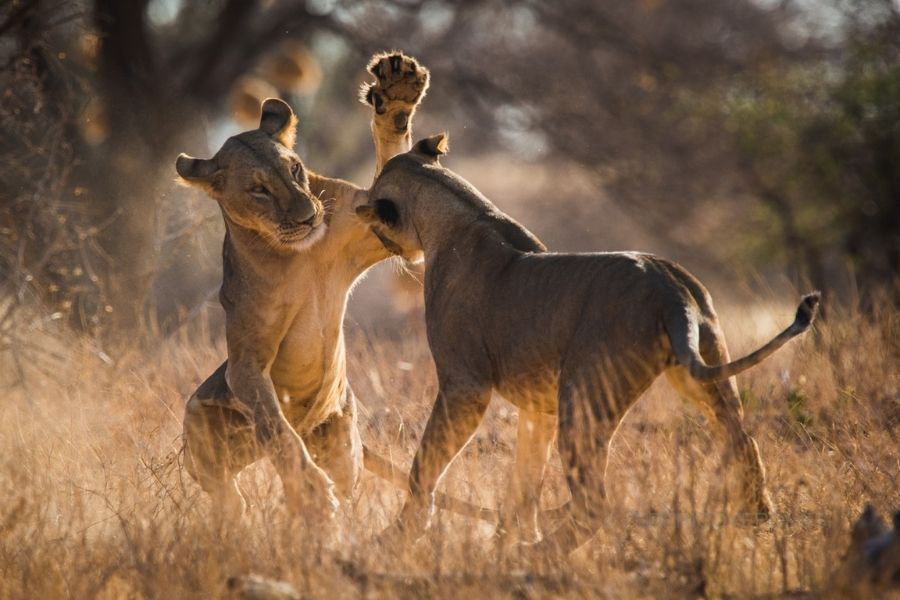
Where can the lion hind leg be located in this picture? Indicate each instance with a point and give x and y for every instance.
(536, 432)
(721, 403)
(594, 396)
(219, 442)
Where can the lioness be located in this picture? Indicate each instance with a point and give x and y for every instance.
(578, 336)
(293, 250)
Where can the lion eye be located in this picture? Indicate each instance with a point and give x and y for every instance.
(295, 169)
(258, 190)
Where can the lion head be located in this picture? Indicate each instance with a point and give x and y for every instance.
(260, 183)
(390, 211)
(415, 197)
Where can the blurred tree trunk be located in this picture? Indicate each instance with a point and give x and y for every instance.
(143, 128)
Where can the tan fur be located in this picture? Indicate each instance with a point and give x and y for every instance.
(293, 250)
(570, 337)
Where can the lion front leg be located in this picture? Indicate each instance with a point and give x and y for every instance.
(519, 516)
(456, 414)
(400, 85)
(305, 484)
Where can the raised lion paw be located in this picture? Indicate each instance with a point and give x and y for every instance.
(400, 85)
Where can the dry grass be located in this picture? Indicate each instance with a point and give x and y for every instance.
(95, 504)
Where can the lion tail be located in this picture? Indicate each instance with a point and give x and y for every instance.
(684, 334)
(387, 470)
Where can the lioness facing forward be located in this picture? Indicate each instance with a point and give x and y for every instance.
(579, 336)
(293, 250)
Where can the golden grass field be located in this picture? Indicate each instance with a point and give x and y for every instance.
(95, 504)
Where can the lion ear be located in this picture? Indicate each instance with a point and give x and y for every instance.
(366, 214)
(433, 147)
(199, 172)
(278, 121)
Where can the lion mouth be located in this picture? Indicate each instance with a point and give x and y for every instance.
(295, 234)
(304, 233)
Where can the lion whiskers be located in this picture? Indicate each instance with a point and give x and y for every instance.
(400, 266)
(328, 204)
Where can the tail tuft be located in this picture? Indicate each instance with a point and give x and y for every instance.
(806, 312)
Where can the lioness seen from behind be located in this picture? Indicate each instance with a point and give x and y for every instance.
(575, 336)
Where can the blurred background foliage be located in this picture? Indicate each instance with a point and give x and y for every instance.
(748, 136)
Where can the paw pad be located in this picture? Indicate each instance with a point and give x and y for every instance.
(400, 82)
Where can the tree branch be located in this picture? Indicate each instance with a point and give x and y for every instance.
(231, 18)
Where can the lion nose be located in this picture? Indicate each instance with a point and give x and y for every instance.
(304, 209)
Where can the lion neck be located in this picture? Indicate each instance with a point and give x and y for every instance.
(316, 283)
(349, 245)
(465, 252)
(462, 232)
(457, 225)
(447, 209)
